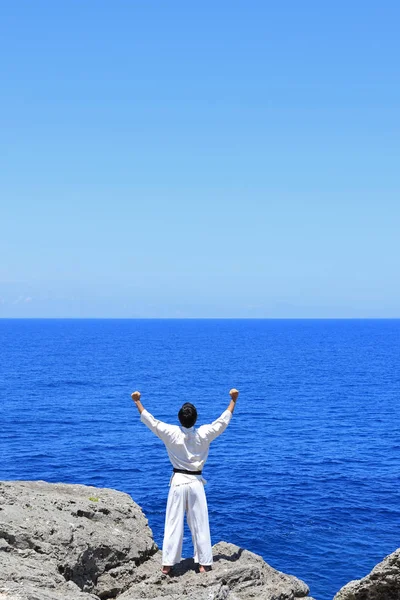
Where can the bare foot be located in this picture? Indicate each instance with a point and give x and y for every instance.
(165, 570)
(204, 568)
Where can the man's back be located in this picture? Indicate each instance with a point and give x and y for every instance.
(187, 447)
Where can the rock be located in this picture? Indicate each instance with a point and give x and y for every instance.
(57, 533)
(75, 542)
(237, 574)
(383, 583)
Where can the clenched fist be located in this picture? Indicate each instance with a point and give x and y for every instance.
(135, 396)
(234, 394)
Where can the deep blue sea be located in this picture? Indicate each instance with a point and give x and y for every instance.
(307, 474)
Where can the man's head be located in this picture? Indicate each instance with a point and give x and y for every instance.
(187, 415)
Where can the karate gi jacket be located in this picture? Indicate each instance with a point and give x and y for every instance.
(187, 447)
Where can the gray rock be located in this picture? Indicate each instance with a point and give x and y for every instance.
(237, 574)
(57, 533)
(75, 542)
(383, 583)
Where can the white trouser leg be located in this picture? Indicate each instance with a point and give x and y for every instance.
(197, 517)
(173, 531)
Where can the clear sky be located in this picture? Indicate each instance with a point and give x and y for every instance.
(199, 159)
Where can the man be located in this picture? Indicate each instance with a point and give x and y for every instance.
(187, 449)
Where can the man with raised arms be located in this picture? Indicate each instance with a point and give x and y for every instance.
(187, 448)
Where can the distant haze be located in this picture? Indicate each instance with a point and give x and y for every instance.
(210, 159)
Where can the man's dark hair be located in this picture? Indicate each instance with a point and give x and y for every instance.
(187, 415)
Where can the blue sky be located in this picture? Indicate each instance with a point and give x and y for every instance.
(210, 159)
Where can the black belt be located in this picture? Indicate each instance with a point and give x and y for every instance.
(187, 472)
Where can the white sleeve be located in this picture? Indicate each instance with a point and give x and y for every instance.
(210, 432)
(162, 430)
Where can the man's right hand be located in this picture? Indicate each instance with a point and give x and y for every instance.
(234, 394)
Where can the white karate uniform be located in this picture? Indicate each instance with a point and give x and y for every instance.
(187, 449)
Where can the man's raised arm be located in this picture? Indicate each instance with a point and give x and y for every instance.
(136, 398)
(212, 431)
(162, 430)
(234, 396)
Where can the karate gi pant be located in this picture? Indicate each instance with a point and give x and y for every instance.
(189, 498)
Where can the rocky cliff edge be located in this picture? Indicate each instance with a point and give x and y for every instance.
(75, 542)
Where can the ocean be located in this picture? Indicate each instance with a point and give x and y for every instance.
(307, 473)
